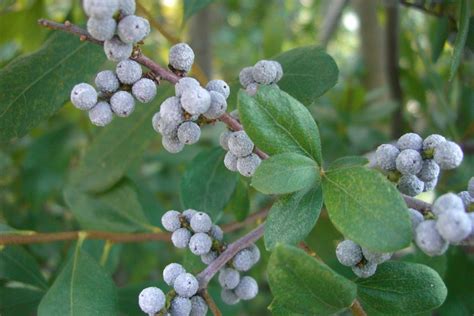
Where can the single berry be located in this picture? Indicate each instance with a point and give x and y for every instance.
(171, 113)
(172, 144)
(429, 240)
(181, 57)
(200, 244)
(229, 297)
(255, 253)
(122, 103)
(188, 214)
(101, 29)
(243, 260)
(240, 144)
(186, 285)
(209, 257)
(376, 257)
(430, 142)
(100, 9)
(180, 306)
(264, 72)
(132, 29)
(448, 155)
(198, 306)
(279, 70)
(171, 272)
(229, 278)
(416, 218)
(248, 165)
(252, 89)
(170, 221)
(410, 141)
(430, 185)
(186, 83)
(196, 101)
(410, 185)
(230, 161)
(365, 270)
(127, 7)
(348, 253)
(409, 161)
(101, 114)
(84, 96)
(470, 187)
(247, 288)
(246, 76)
(219, 86)
(466, 198)
(156, 122)
(201, 222)
(429, 170)
(151, 300)
(448, 201)
(386, 155)
(453, 226)
(107, 81)
(144, 90)
(218, 106)
(116, 50)
(189, 133)
(216, 233)
(224, 140)
(128, 71)
(181, 237)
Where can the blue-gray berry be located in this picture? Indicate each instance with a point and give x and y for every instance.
(122, 103)
(216, 232)
(132, 29)
(180, 306)
(188, 214)
(230, 161)
(365, 270)
(186, 285)
(410, 185)
(172, 144)
(264, 72)
(196, 101)
(348, 253)
(466, 198)
(386, 155)
(189, 133)
(430, 142)
(229, 278)
(279, 70)
(181, 57)
(229, 297)
(246, 76)
(416, 218)
(429, 170)
(144, 90)
(224, 140)
(171, 113)
(430, 185)
(101, 114)
(470, 187)
(209, 257)
(429, 240)
(409, 161)
(100, 9)
(218, 106)
(410, 141)
(447, 202)
(219, 86)
(186, 83)
(84, 96)
(247, 288)
(376, 257)
(198, 306)
(151, 300)
(243, 260)
(453, 226)
(128, 71)
(255, 253)
(180, 238)
(200, 244)
(116, 50)
(171, 272)
(101, 29)
(240, 144)
(201, 222)
(127, 7)
(448, 155)
(171, 221)
(248, 165)
(107, 81)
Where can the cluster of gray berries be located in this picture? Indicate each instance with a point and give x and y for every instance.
(115, 23)
(180, 116)
(264, 72)
(362, 260)
(116, 94)
(414, 164)
(451, 221)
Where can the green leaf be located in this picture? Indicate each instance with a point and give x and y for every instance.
(439, 32)
(19, 301)
(367, 209)
(308, 73)
(348, 161)
(239, 203)
(277, 123)
(82, 288)
(464, 14)
(437, 263)
(402, 288)
(35, 86)
(191, 7)
(285, 173)
(292, 217)
(207, 185)
(18, 265)
(303, 285)
(114, 210)
(116, 147)
(278, 309)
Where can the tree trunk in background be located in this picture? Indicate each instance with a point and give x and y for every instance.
(332, 18)
(200, 39)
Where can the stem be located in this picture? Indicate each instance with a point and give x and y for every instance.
(357, 309)
(210, 302)
(414, 203)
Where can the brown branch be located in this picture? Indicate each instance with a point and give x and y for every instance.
(357, 309)
(416, 204)
(210, 302)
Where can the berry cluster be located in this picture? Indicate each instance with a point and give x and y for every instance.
(451, 221)
(415, 163)
(362, 260)
(264, 72)
(180, 116)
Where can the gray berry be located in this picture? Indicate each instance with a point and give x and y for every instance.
(252, 89)
(430, 185)
(101, 114)
(216, 233)
(448, 155)
(198, 306)
(200, 244)
(453, 226)
(181, 237)
(196, 101)
(229, 278)
(170, 220)
(171, 272)
(247, 288)
(122, 103)
(255, 253)
(240, 144)
(144, 90)
(186, 83)
(366, 270)
(189, 133)
(107, 81)
(181, 57)
(224, 140)
(151, 300)
(186, 285)
(376, 257)
(409, 161)
(218, 106)
(230, 161)
(127, 7)
(410, 185)
(171, 114)
(279, 69)
(410, 141)
(201, 222)
(243, 260)
(83, 96)
(188, 214)
(448, 201)
(180, 306)
(470, 187)
(429, 170)
(132, 29)
(248, 165)
(156, 122)
(116, 50)
(429, 240)
(246, 76)
(348, 253)
(172, 144)
(264, 72)
(209, 257)
(101, 29)
(466, 198)
(416, 218)
(219, 86)
(128, 71)
(430, 142)
(100, 9)
(229, 297)
(386, 155)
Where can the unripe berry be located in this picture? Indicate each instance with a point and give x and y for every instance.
(429, 240)
(453, 226)
(107, 81)
(416, 218)
(279, 70)
(429, 170)
(247, 288)
(196, 101)
(181, 57)
(101, 114)
(186, 285)
(466, 198)
(209, 257)
(376, 257)
(264, 72)
(100, 9)
(172, 144)
(216, 233)
(128, 71)
(243, 260)
(229, 278)
(188, 214)
(410, 141)
(219, 86)
(198, 306)
(430, 142)
(410, 185)
(386, 155)
(365, 270)
(447, 202)
(186, 83)
(248, 165)
(101, 29)
(132, 29)
(229, 297)
(246, 76)
(230, 161)
(84, 96)
(218, 106)
(240, 144)
(181, 237)
(151, 300)
(122, 103)
(189, 133)
(201, 222)
(127, 7)
(348, 253)
(180, 306)
(470, 187)
(170, 221)
(200, 244)
(409, 161)
(448, 155)
(224, 140)
(171, 272)
(116, 50)
(144, 90)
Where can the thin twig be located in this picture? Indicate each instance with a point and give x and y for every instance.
(414, 203)
(210, 302)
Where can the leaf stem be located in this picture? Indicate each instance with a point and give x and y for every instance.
(357, 309)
